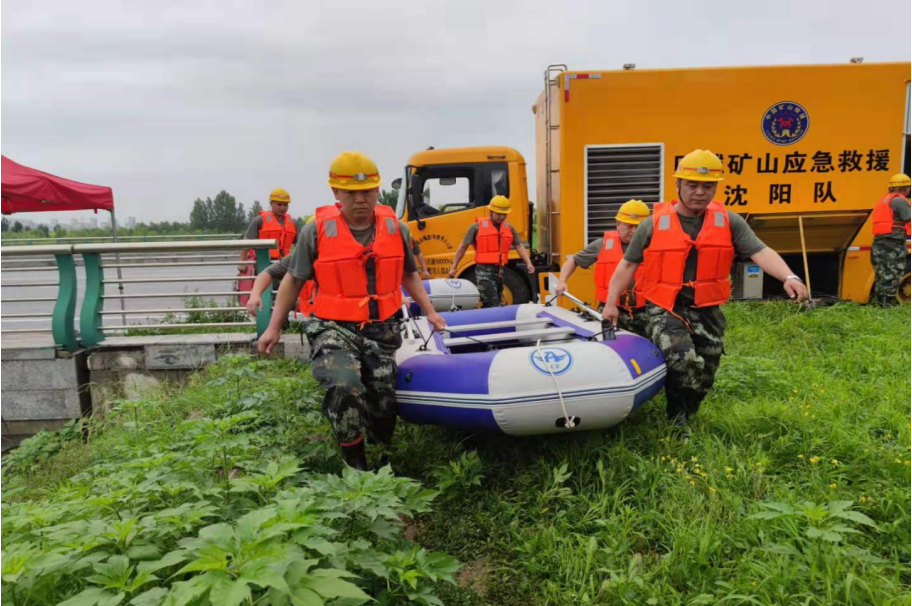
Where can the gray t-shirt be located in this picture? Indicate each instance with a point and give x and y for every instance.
(304, 255)
(253, 230)
(589, 255)
(473, 232)
(901, 214)
(744, 240)
(278, 269)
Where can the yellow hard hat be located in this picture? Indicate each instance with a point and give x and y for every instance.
(355, 171)
(500, 204)
(311, 219)
(632, 212)
(700, 165)
(900, 180)
(279, 195)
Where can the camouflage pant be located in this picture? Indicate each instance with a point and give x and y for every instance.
(692, 354)
(888, 256)
(489, 280)
(635, 321)
(357, 368)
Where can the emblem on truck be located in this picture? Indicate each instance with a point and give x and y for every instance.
(785, 123)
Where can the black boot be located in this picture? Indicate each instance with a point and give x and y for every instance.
(676, 409)
(355, 456)
(692, 404)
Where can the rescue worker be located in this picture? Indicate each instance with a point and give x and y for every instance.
(273, 275)
(358, 253)
(422, 264)
(688, 246)
(606, 252)
(890, 221)
(492, 238)
(274, 224)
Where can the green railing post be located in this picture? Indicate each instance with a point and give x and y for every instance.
(265, 314)
(64, 316)
(92, 303)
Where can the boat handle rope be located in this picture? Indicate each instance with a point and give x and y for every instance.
(569, 423)
(406, 316)
(609, 332)
(591, 312)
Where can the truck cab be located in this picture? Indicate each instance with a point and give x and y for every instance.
(444, 191)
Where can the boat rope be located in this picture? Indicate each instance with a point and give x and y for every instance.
(453, 306)
(569, 423)
(406, 316)
(609, 331)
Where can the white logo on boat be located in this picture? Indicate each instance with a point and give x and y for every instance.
(557, 360)
(454, 283)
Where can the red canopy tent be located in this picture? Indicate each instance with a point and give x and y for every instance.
(28, 190)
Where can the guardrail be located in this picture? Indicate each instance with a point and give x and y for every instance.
(50, 240)
(92, 328)
(62, 318)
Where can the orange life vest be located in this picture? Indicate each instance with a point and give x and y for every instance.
(492, 245)
(341, 268)
(666, 256)
(883, 217)
(609, 256)
(306, 300)
(284, 233)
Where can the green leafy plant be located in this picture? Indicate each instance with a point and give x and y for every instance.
(465, 473)
(202, 498)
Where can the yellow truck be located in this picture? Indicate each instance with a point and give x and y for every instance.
(807, 152)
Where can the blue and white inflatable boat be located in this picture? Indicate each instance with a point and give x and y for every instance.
(447, 294)
(523, 370)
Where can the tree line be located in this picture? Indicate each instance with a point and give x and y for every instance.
(221, 214)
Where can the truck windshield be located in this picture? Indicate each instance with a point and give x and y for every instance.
(403, 194)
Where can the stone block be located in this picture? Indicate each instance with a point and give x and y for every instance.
(40, 404)
(137, 384)
(35, 353)
(115, 360)
(38, 374)
(164, 357)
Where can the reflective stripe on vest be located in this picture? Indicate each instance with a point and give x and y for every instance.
(492, 245)
(610, 255)
(666, 256)
(284, 233)
(883, 219)
(343, 264)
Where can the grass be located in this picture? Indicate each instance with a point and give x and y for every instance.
(808, 407)
(793, 489)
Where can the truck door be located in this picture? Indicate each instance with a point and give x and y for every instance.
(444, 200)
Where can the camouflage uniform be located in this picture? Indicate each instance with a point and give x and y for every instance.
(635, 321)
(888, 256)
(692, 354)
(489, 279)
(357, 368)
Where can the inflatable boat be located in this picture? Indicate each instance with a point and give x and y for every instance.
(447, 294)
(524, 370)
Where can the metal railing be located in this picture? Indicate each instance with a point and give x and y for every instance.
(63, 316)
(103, 239)
(107, 256)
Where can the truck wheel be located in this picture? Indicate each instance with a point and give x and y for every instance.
(903, 293)
(516, 291)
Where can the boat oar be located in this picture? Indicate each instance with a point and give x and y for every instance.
(607, 331)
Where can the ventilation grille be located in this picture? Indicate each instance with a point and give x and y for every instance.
(616, 174)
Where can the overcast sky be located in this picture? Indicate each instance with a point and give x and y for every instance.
(169, 101)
